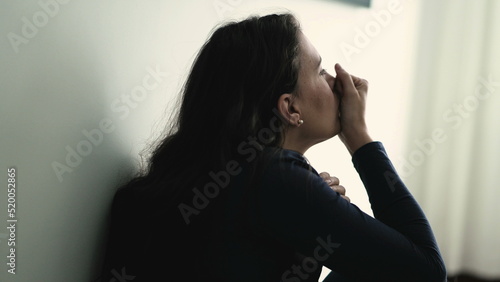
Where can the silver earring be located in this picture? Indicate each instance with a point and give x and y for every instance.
(301, 121)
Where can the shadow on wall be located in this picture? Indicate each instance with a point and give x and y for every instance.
(94, 159)
(66, 147)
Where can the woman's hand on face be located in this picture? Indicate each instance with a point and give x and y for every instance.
(352, 91)
(334, 183)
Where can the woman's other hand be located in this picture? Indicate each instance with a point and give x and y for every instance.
(334, 183)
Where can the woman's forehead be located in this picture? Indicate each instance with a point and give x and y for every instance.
(308, 53)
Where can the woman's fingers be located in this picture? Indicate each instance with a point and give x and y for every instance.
(349, 82)
(360, 84)
(330, 180)
(339, 188)
(334, 183)
(344, 82)
(352, 91)
(347, 198)
(324, 175)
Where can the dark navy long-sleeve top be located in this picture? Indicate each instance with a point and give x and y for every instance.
(285, 228)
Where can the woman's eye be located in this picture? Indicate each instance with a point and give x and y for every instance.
(322, 72)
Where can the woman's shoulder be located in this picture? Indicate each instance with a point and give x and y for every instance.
(287, 161)
(287, 171)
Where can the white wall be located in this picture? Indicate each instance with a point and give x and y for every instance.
(74, 70)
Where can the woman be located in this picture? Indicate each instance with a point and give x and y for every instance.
(228, 195)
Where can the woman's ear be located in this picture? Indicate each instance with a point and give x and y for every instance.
(288, 108)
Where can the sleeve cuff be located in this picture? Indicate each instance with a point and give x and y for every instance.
(366, 149)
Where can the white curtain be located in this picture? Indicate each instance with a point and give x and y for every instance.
(452, 157)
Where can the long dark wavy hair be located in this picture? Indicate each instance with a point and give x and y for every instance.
(230, 96)
(227, 114)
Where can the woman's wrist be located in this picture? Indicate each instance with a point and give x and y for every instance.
(355, 140)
